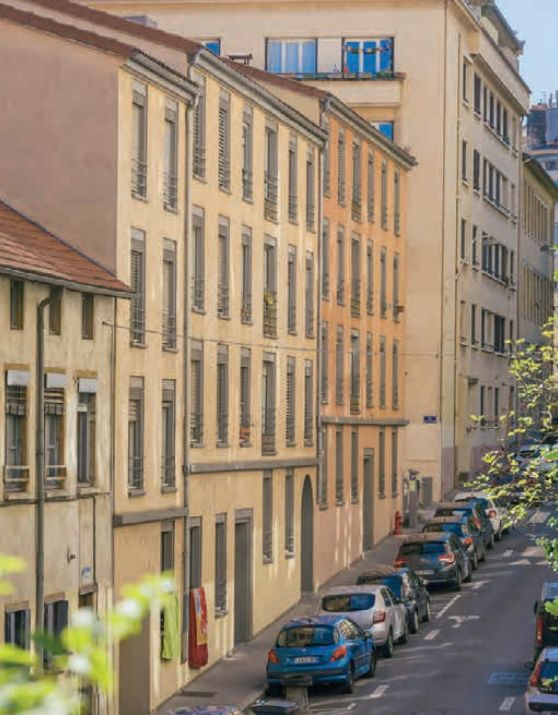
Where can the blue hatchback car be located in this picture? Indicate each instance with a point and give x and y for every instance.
(321, 650)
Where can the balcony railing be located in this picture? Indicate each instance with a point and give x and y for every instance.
(291, 318)
(139, 178)
(199, 161)
(345, 75)
(308, 428)
(355, 400)
(168, 474)
(169, 330)
(356, 208)
(270, 196)
(355, 298)
(270, 314)
(246, 308)
(222, 430)
(223, 301)
(55, 476)
(310, 216)
(244, 432)
(268, 430)
(16, 478)
(247, 184)
(293, 208)
(137, 323)
(196, 428)
(135, 474)
(198, 293)
(290, 429)
(170, 191)
(395, 397)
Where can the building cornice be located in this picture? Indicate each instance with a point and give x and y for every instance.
(62, 283)
(502, 87)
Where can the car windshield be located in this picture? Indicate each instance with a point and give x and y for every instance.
(304, 636)
(347, 602)
(450, 528)
(549, 677)
(424, 547)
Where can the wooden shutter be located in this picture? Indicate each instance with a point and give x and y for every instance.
(224, 141)
(291, 401)
(268, 516)
(199, 132)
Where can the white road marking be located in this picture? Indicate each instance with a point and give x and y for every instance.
(458, 621)
(351, 706)
(380, 690)
(430, 636)
(522, 562)
(533, 552)
(507, 705)
(540, 517)
(507, 553)
(476, 585)
(448, 605)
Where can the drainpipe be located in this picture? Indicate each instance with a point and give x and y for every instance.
(40, 477)
(456, 303)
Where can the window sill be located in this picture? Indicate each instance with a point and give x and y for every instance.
(339, 503)
(221, 612)
(199, 311)
(463, 342)
(248, 200)
(290, 445)
(133, 493)
(170, 350)
(225, 190)
(139, 197)
(223, 317)
(290, 554)
(141, 346)
(323, 506)
(292, 332)
(222, 445)
(200, 177)
(169, 490)
(382, 496)
(245, 445)
(355, 500)
(465, 182)
(267, 560)
(86, 488)
(269, 453)
(171, 209)
(247, 322)
(196, 445)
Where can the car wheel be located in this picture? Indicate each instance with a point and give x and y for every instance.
(404, 637)
(483, 555)
(414, 623)
(475, 561)
(469, 577)
(492, 541)
(458, 581)
(387, 649)
(427, 613)
(373, 663)
(349, 686)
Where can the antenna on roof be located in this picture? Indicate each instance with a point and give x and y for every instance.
(243, 58)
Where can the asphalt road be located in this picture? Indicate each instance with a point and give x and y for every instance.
(470, 659)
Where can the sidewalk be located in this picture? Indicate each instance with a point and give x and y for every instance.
(239, 679)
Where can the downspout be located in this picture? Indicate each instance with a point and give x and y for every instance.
(40, 479)
(457, 267)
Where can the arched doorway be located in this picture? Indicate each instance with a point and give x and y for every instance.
(307, 538)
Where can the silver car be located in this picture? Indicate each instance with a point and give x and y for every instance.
(375, 608)
(542, 692)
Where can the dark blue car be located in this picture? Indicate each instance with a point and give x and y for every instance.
(322, 650)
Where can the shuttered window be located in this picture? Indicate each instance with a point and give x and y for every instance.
(223, 286)
(269, 386)
(355, 276)
(395, 375)
(55, 311)
(17, 627)
(289, 513)
(196, 394)
(55, 409)
(246, 274)
(224, 166)
(199, 132)
(324, 365)
(371, 188)
(355, 372)
(308, 403)
(87, 316)
(324, 253)
(341, 265)
(198, 259)
(247, 153)
(356, 202)
(309, 298)
(382, 463)
(196, 543)
(290, 407)
(267, 516)
(169, 294)
(17, 469)
(170, 175)
(271, 169)
(394, 464)
(384, 195)
(339, 481)
(86, 441)
(168, 439)
(383, 283)
(269, 311)
(221, 563)
(354, 465)
(222, 396)
(310, 191)
(397, 202)
(327, 161)
(369, 279)
(369, 372)
(245, 397)
(293, 180)
(396, 301)
(16, 304)
(323, 474)
(291, 290)
(339, 367)
(139, 139)
(137, 284)
(341, 193)
(135, 434)
(382, 371)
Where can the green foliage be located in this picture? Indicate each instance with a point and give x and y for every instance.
(82, 656)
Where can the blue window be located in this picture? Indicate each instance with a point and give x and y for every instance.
(213, 46)
(292, 56)
(370, 56)
(386, 128)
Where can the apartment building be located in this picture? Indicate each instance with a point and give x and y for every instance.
(458, 111)
(115, 193)
(68, 559)
(539, 195)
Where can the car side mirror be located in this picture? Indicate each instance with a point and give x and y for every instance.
(536, 607)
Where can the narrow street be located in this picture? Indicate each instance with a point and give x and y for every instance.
(471, 657)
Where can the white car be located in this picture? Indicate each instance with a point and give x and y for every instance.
(542, 692)
(494, 510)
(375, 608)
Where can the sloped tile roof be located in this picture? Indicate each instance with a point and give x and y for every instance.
(28, 249)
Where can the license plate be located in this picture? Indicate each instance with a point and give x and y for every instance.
(424, 573)
(305, 659)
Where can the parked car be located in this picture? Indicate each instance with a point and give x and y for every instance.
(542, 689)
(546, 625)
(206, 710)
(438, 558)
(321, 650)
(463, 527)
(494, 510)
(407, 586)
(482, 522)
(376, 609)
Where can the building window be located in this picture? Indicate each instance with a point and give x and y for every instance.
(369, 279)
(169, 294)
(327, 160)
(87, 316)
(339, 481)
(463, 240)
(198, 260)
(196, 394)
(384, 197)
(199, 132)
(221, 564)
(213, 46)
(325, 259)
(289, 513)
(17, 469)
(309, 297)
(499, 334)
(167, 547)
(137, 283)
(394, 466)
(356, 202)
(170, 176)
(247, 153)
(396, 304)
(270, 289)
(339, 367)
(222, 396)
(268, 404)
(355, 372)
(17, 627)
(267, 517)
(341, 266)
(223, 287)
(395, 375)
(382, 464)
(473, 324)
(55, 621)
(246, 273)
(496, 405)
(135, 435)
(475, 246)
(195, 529)
(465, 81)
(308, 403)
(290, 409)
(245, 396)
(291, 290)
(55, 433)
(55, 311)
(324, 365)
(310, 191)
(382, 371)
(341, 197)
(368, 56)
(355, 276)
(369, 372)
(354, 465)
(476, 170)
(477, 95)
(224, 163)
(16, 305)
(371, 194)
(383, 282)
(271, 174)
(291, 56)
(139, 146)
(385, 128)
(86, 441)
(482, 405)
(168, 421)
(397, 202)
(464, 167)
(293, 180)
